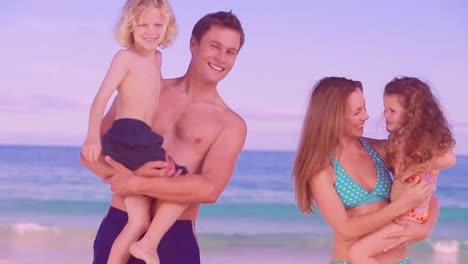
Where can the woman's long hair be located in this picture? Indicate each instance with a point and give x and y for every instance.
(323, 125)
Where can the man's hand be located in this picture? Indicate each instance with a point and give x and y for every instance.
(159, 168)
(123, 180)
(120, 180)
(412, 232)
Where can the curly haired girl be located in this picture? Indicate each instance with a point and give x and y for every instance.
(420, 144)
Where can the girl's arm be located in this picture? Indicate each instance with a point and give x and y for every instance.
(116, 73)
(101, 168)
(448, 159)
(378, 145)
(351, 227)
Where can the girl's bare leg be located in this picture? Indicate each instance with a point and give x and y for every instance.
(166, 215)
(366, 249)
(138, 209)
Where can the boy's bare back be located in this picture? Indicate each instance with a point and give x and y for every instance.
(140, 88)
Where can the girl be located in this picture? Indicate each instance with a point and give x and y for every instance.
(135, 72)
(419, 145)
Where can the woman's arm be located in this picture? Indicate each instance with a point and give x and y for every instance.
(414, 231)
(350, 227)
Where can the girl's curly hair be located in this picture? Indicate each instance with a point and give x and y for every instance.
(425, 131)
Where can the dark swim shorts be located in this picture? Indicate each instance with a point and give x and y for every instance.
(178, 245)
(132, 143)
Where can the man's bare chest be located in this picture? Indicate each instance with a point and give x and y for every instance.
(195, 128)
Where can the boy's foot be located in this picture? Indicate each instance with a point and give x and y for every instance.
(149, 255)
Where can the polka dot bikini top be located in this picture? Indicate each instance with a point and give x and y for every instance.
(352, 194)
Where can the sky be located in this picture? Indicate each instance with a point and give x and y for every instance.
(54, 55)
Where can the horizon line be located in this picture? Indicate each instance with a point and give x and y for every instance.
(77, 146)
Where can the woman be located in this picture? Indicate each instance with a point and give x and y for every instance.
(344, 175)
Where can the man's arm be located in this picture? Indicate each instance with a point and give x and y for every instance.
(216, 171)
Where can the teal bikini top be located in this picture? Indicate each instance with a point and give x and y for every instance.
(352, 194)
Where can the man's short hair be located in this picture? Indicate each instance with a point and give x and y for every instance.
(222, 19)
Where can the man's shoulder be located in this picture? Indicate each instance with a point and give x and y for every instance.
(234, 118)
(226, 113)
(233, 123)
(229, 116)
(233, 130)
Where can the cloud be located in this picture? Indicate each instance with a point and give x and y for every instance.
(460, 131)
(44, 22)
(460, 127)
(275, 114)
(41, 103)
(281, 129)
(41, 138)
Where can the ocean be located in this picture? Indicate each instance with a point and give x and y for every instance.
(51, 207)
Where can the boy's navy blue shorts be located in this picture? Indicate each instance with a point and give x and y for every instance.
(178, 245)
(132, 143)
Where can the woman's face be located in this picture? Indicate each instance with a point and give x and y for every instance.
(355, 115)
(393, 112)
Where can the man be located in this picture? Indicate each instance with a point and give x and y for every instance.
(200, 132)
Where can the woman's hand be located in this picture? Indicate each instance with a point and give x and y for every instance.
(412, 232)
(410, 194)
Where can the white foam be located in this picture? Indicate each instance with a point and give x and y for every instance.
(257, 195)
(446, 246)
(33, 228)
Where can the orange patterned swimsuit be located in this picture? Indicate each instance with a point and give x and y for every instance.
(422, 214)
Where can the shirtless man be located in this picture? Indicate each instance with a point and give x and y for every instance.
(199, 130)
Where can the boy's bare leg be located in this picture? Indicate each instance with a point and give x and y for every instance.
(369, 247)
(166, 215)
(138, 209)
